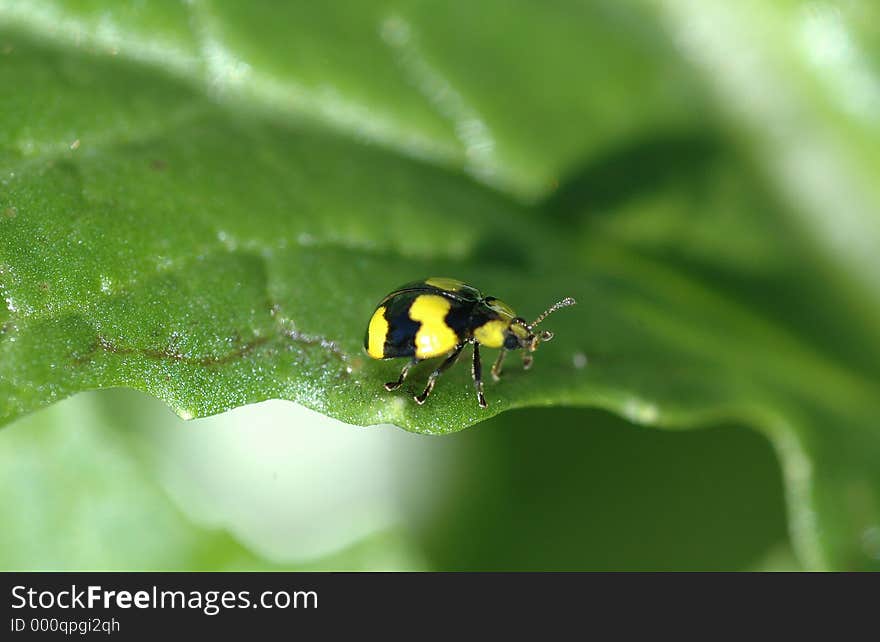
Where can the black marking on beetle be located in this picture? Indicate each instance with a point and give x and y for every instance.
(400, 337)
(459, 319)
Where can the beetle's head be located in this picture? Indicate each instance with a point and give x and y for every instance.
(520, 334)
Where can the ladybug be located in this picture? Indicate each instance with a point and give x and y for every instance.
(439, 317)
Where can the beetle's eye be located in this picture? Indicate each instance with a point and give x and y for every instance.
(511, 342)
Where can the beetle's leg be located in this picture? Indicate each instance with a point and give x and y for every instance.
(527, 360)
(394, 385)
(451, 359)
(496, 367)
(477, 372)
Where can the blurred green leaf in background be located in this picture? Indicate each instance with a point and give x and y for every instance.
(204, 200)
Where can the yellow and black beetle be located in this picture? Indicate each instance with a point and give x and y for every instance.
(438, 317)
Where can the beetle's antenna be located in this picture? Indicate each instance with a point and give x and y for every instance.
(567, 301)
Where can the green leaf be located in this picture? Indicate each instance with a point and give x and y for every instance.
(205, 203)
(804, 96)
(616, 497)
(113, 480)
(88, 486)
(48, 493)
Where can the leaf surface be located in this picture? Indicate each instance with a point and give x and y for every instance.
(205, 204)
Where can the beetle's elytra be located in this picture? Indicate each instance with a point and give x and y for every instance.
(439, 317)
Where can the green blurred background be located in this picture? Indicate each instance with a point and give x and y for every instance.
(113, 480)
(712, 161)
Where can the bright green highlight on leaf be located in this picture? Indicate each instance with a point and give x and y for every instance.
(205, 202)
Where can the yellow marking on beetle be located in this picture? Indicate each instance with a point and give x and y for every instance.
(434, 336)
(519, 331)
(377, 332)
(502, 308)
(491, 333)
(445, 283)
